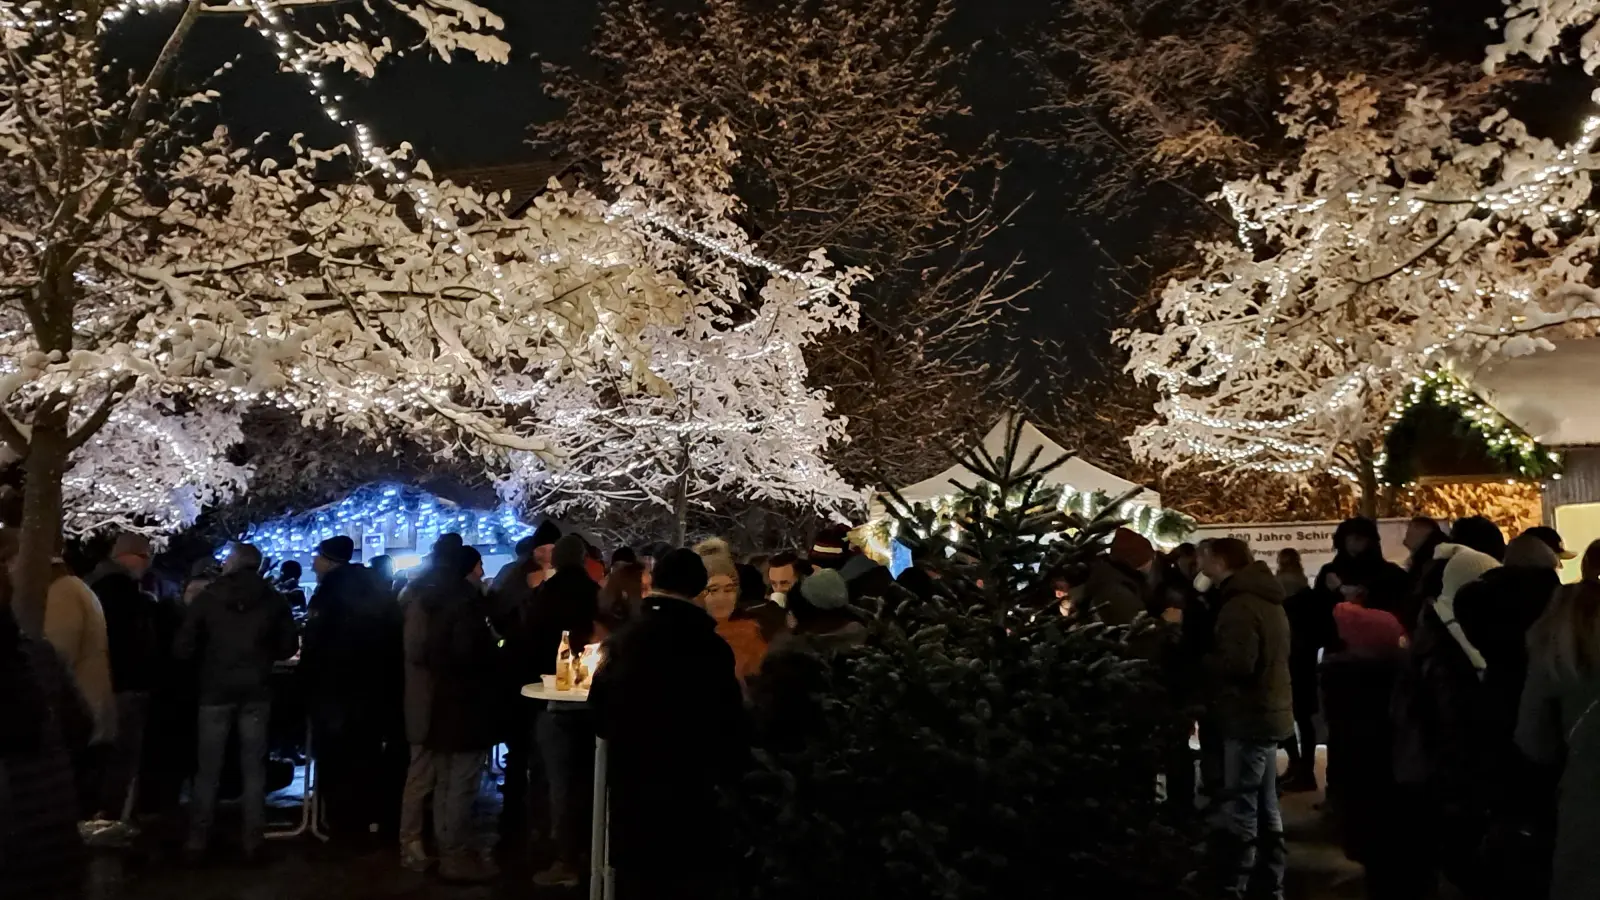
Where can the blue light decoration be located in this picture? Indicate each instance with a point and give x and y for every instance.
(386, 518)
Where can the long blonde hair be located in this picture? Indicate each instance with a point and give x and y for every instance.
(1567, 637)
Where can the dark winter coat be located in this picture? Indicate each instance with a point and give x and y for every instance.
(460, 660)
(351, 654)
(786, 693)
(1361, 783)
(1250, 662)
(236, 629)
(1559, 726)
(569, 601)
(668, 702)
(419, 681)
(869, 581)
(1311, 630)
(289, 588)
(133, 628)
(1496, 612)
(1116, 593)
(41, 856)
(1437, 714)
(1388, 587)
(1421, 561)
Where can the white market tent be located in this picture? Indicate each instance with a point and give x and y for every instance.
(1549, 394)
(1075, 474)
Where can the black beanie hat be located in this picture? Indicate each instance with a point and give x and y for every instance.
(568, 552)
(680, 572)
(338, 548)
(462, 560)
(548, 532)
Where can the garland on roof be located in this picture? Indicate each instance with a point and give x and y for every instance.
(1505, 443)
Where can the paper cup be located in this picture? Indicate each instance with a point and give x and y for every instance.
(549, 682)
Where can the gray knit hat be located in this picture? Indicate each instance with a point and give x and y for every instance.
(825, 589)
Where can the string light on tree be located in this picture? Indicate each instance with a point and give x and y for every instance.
(1393, 241)
(1503, 441)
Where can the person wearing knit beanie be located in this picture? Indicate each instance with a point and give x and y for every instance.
(825, 589)
(569, 552)
(1463, 565)
(831, 549)
(721, 598)
(1131, 549)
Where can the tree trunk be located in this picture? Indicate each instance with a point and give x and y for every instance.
(41, 515)
(1368, 474)
(680, 502)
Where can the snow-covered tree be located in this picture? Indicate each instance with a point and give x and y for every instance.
(842, 114)
(727, 411)
(153, 468)
(140, 259)
(1355, 267)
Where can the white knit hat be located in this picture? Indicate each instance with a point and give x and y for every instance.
(1463, 565)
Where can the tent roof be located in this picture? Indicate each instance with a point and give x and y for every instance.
(1548, 394)
(1074, 473)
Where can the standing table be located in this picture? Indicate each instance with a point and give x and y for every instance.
(602, 880)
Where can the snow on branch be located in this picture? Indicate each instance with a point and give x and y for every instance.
(206, 279)
(1354, 267)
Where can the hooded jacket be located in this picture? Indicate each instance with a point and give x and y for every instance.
(236, 629)
(1250, 661)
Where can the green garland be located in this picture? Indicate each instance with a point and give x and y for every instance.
(1166, 526)
(1505, 443)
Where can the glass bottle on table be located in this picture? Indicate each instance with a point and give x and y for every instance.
(564, 663)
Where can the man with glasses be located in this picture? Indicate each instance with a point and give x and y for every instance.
(133, 638)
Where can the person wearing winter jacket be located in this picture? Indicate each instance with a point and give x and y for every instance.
(235, 630)
(43, 721)
(567, 602)
(721, 600)
(75, 625)
(457, 650)
(1513, 798)
(1558, 725)
(1310, 631)
(1358, 557)
(1252, 704)
(1423, 534)
(1118, 589)
(668, 703)
(1434, 711)
(134, 646)
(351, 663)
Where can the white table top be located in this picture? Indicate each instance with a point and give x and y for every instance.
(537, 691)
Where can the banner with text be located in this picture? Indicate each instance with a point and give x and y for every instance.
(1314, 540)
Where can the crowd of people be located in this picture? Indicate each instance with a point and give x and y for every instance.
(1454, 695)
(409, 685)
